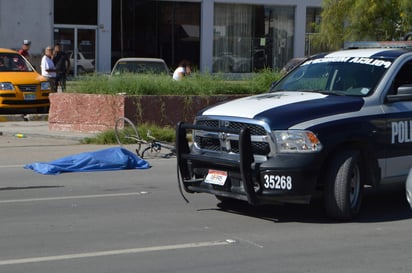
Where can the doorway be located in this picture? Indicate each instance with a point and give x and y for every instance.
(79, 42)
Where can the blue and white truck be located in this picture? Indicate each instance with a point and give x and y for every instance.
(337, 122)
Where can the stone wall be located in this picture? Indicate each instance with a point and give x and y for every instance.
(97, 113)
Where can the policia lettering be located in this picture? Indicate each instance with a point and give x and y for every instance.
(402, 131)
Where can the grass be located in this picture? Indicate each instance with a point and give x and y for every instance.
(200, 84)
(150, 84)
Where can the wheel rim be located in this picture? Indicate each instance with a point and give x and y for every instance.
(354, 186)
(124, 137)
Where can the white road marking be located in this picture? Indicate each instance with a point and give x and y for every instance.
(115, 252)
(73, 197)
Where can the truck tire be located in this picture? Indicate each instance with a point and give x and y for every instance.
(344, 187)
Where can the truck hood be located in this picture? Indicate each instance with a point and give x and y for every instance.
(284, 109)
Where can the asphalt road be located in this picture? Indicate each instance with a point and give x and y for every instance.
(136, 221)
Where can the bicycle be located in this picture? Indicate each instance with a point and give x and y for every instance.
(130, 135)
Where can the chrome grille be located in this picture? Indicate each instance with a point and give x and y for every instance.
(208, 143)
(27, 87)
(254, 128)
(208, 122)
(211, 141)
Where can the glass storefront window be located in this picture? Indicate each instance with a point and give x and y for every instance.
(248, 38)
(163, 29)
(77, 34)
(75, 12)
(313, 17)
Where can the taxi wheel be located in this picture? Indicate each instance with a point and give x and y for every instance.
(344, 187)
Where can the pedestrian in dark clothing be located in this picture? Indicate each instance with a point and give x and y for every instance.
(24, 50)
(62, 63)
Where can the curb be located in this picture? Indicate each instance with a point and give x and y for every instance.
(5, 118)
(36, 126)
(36, 117)
(23, 117)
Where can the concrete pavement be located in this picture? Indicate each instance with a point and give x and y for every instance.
(34, 126)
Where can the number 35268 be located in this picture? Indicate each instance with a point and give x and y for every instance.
(277, 182)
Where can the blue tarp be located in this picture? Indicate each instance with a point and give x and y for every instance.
(103, 160)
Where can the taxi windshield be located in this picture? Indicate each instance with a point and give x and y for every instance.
(13, 62)
(352, 76)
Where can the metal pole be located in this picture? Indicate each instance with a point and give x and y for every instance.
(121, 28)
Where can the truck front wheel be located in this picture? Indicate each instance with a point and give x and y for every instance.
(344, 187)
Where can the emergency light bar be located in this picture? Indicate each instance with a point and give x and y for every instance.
(376, 44)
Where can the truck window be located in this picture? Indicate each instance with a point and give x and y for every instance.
(404, 76)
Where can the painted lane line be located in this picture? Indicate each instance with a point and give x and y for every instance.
(115, 252)
(73, 197)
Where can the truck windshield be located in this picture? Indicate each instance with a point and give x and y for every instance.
(352, 76)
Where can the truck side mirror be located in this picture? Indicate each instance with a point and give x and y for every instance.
(405, 89)
(403, 93)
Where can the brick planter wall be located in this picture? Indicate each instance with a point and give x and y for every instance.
(97, 113)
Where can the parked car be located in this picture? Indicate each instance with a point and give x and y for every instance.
(83, 64)
(140, 65)
(409, 188)
(21, 87)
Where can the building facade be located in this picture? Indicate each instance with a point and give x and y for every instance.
(225, 36)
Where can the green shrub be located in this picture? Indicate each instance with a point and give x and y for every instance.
(150, 84)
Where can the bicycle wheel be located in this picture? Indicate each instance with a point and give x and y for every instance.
(127, 133)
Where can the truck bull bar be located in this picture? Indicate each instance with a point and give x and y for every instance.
(244, 166)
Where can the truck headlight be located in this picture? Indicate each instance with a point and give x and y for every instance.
(45, 86)
(6, 86)
(297, 141)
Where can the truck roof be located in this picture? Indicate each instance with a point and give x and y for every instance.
(378, 44)
(378, 53)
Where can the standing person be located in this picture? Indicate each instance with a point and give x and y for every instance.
(24, 51)
(48, 70)
(183, 69)
(62, 63)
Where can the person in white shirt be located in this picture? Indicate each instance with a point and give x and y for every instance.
(184, 69)
(48, 70)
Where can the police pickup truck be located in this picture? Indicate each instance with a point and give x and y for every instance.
(334, 124)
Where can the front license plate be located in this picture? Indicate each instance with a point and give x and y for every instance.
(216, 177)
(29, 96)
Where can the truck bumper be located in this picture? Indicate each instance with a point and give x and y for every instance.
(286, 178)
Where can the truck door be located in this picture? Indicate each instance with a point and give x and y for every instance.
(399, 128)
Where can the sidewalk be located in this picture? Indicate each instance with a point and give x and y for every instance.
(23, 126)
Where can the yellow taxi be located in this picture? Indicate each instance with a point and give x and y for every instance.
(21, 87)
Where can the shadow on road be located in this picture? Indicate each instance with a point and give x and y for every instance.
(379, 205)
